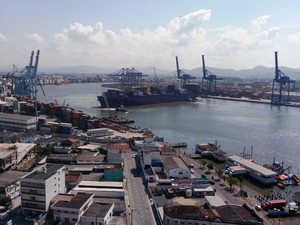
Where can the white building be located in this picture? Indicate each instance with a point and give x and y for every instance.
(105, 189)
(174, 167)
(71, 210)
(98, 132)
(40, 186)
(17, 122)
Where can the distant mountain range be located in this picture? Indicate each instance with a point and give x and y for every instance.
(259, 72)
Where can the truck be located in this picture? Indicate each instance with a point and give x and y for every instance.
(278, 203)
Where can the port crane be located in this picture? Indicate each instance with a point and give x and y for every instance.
(281, 86)
(211, 80)
(128, 77)
(184, 78)
(25, 80)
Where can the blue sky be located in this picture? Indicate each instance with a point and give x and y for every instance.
(237, 34)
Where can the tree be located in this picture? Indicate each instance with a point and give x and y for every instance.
(204, 162)
(6, 202)
(219, 172)
(232, 181)
(210, 166)
(241, 180)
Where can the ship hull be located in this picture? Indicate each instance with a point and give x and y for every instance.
(145, 99)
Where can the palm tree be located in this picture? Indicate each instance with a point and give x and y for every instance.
(219, 172)
(232, 181)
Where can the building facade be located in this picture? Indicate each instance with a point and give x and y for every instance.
(40, 186)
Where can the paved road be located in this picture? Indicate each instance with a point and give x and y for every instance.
(222, 190)
(139, 204)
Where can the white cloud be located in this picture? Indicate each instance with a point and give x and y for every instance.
(294, 38)
(185, 37)
(3, 38)
(259, 22)
(36, 37)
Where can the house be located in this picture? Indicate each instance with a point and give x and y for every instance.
(174, 167)
(71, 210)
(66, 146)
(40, 186)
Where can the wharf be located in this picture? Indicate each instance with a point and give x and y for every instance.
(260, 101)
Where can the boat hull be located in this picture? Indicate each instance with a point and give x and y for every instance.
(144, 99)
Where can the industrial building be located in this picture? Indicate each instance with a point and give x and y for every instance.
(255, 171)
(174, 167)
(17, 122)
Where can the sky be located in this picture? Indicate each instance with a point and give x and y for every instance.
(232, 34)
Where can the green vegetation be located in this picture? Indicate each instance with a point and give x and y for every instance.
(232, 181)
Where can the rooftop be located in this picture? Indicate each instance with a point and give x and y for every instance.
(190, 212)
(10, 177)
(173, 162)
(97, 210)
(251, 165)
(44, 174)
(230, 213)
(75, 203)
(15, 116)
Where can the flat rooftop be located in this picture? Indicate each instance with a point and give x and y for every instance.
(97, 210)
(75, 203)
(100, 184)
(51, 169)
(15, 116)
(10, 177)
(253, 166)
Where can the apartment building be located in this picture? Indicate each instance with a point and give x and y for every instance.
(40, 186)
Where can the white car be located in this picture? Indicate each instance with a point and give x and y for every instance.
(258, 208)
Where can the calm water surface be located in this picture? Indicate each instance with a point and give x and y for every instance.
(274, 132)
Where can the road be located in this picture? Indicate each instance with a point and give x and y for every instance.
(139, 204)
(222, 190)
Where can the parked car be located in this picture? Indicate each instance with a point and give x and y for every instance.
(258, 208)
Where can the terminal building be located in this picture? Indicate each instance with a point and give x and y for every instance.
(260, 173)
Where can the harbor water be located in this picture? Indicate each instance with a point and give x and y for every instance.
(272, 131)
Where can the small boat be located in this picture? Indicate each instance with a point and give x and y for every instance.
(179, 145)
(121, 109)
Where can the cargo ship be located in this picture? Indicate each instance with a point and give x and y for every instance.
(148, 95)
(134, 94)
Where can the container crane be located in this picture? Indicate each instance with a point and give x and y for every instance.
(281, 86)
(25, 80)
(211, 80)
(184, 78)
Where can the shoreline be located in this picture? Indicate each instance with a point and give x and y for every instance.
(259, 101)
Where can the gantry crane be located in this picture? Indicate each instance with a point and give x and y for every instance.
(211, 80)
(184, 78)
(281, 86)
(25, 80)
(128, 77)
